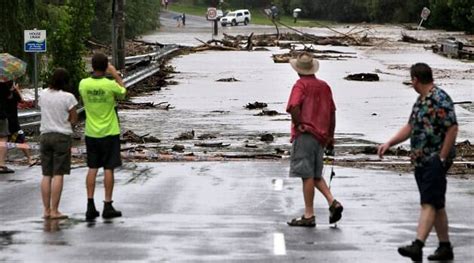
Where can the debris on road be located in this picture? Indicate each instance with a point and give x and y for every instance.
(178, 148)
(206, 136)
(185, 136)
(267, 137)
(228, 80)
(410, 39)
(363, 77)
(212, 144)
(268, 113)
(128, 105)
(130, 136)
(256, 105)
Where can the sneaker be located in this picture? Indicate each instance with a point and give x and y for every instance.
(109, 211)
(335, 212)
(413, 251)
(442, 253)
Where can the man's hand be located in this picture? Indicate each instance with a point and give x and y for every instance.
(111, 69)
(382, 149)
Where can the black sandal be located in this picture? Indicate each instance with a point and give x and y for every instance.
(5, 170)
(335, 212)
(302, 221)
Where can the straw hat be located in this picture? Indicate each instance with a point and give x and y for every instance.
(305, 64)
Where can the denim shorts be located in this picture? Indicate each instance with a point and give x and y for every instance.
(431, 182)
(306, 157)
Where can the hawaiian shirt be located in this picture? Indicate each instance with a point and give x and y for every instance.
(430, 119)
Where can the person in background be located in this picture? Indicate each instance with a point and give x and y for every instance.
(102, 131)
(183, 18)
(4, 132)
(58, 113)
(16, 133)
(432, 129)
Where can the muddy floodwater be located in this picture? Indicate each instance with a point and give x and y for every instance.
(367, 112)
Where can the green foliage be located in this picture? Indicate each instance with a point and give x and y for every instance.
(462, 14)
(141, 16)
(440, 14)
(101, 28)
(68, 28)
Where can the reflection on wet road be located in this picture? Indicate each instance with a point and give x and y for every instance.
(232, 211)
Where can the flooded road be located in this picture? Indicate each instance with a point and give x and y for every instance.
(370, 111)
(237, 211)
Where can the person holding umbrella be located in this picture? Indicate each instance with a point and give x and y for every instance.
(10, 69)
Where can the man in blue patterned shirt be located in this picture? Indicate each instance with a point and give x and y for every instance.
(432, 129)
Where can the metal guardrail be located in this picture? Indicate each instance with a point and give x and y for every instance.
(31, 119)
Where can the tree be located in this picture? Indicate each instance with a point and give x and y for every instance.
(461, 15)
(440, 14)
(69, 27)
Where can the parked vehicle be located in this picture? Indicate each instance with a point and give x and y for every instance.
(236, 17)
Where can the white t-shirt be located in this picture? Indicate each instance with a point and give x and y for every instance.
(55, 106)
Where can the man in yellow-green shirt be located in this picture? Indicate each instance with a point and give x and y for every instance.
(99, 95)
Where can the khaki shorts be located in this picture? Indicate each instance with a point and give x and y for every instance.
(55, 149)
(4, 128)
(306, 157)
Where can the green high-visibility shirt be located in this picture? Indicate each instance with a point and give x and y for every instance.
(99, 96)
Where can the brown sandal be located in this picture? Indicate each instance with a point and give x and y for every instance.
(5, 170)
(302, 221)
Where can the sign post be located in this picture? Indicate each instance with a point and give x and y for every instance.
(424, 16)
(35, 42)
(212, 16)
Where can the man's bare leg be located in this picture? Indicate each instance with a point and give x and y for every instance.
(109, 184)
(426, 221)
(90, 182)
(46, 195)
(308, 193)
(322, 187)
(441, 225)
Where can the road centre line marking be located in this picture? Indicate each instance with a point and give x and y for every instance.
(278, 184)
(279, 247)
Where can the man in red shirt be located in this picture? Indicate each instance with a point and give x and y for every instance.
(313, 116)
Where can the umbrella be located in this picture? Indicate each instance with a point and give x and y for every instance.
(11, 67)
(297, 10)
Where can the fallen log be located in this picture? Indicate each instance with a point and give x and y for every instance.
(410, 39)
(186, 136)
(128, 105)
(256, 105)
(228, 80)
(363, 77)
(130, 136)
(268, 113)
(212, 144)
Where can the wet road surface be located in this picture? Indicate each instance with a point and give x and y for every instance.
(237, 211)
(232, 212)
